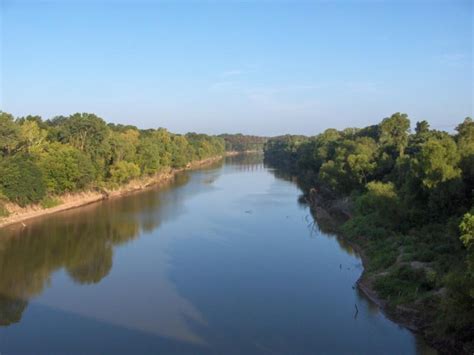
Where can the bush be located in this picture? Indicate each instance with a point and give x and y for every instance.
(124, 171)
(3, 210)
(382, 254)
(65, 169)
(21, 180)
(49, 202)
(404, 284)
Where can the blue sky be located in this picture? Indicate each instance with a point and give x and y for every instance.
(257, 67)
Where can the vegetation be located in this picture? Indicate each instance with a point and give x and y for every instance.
(40, 159)
(243, 143)
(411, 206)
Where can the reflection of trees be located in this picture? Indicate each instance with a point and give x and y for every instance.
(327, 223)
(94, 267)
(11, 310)
(81, 241)
(246, 161)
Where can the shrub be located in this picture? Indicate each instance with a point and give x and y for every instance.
(124, 171)
(49, 202)
(404, 284)
(65, 168)
(21, 180)
(3, 210)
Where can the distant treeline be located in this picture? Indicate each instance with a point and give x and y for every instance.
(412, 209)
(243, 143)
(39, 159)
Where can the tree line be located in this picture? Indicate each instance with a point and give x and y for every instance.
(243, 143)
(411, 201)
(43, 158)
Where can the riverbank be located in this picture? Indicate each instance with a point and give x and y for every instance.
(416, 315)
(19, 214)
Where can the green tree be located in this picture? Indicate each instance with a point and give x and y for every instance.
(89, 134)
(394, 133)
(362, 160)
(124, 171)
(181, 152)
(438, 161)
(65, 168)
(465, 141)
(9, 134)
(33, 138)
(21, 180)
(124, 145)
(467, 230)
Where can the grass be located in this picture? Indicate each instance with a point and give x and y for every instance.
(3, 211)
(49, 202)
(404, 284)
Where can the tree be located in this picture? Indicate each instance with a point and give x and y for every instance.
(9, 134)
(465, 136)
(89, 134)
(124, 171)
(33, 138)
(394, 133)
(422, 127)
(361, 162)
(467, 230)
(124, 145)
(65, 168)
(21, 179)
(438, 161)
(465, 142)
(181, 152)
(148, 155)
(154, 151)
(467, 237)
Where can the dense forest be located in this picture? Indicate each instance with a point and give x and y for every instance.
(40, 159)
(243, 143)
(408, 198)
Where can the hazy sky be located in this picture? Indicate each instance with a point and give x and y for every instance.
(258, 67)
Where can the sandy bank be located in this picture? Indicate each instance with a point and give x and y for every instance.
(68, 201)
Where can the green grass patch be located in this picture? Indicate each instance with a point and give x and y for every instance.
(382, 254)
(404, 284)
(49, 202)
(3, 211)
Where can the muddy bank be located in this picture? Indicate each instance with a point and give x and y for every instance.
(19, 214)
(332, 212)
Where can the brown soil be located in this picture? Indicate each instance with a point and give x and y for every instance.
(19, 214)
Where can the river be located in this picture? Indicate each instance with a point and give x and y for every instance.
(224, 260)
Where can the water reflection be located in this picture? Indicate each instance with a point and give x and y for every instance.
(223, 260)
(11, 310)
(80, 241)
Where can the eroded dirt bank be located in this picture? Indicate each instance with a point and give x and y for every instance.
(19, 214)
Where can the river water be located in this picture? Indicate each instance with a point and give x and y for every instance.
(222, 261)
